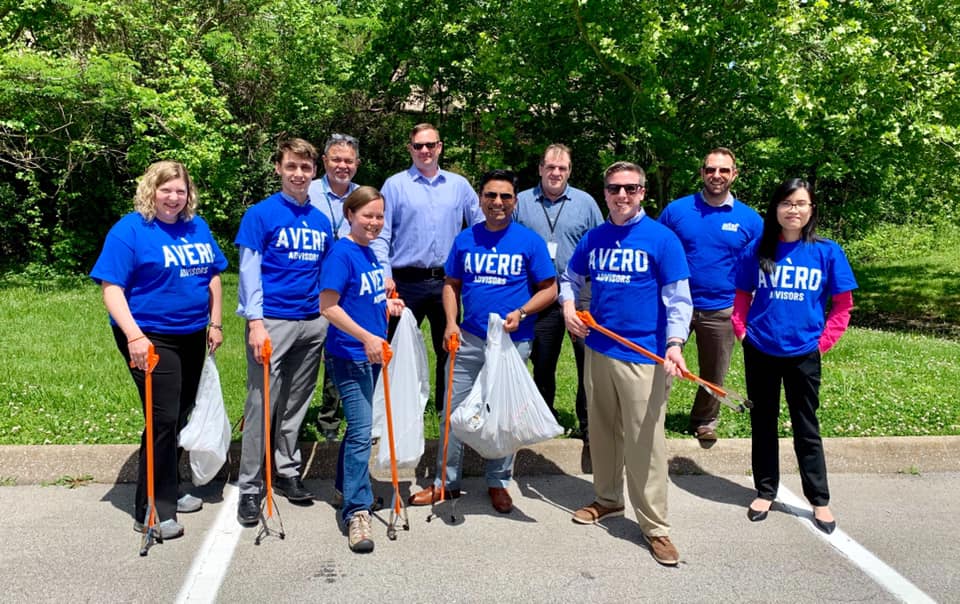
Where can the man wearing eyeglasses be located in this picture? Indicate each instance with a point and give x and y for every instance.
(495, 267)
(341, 158)
(426, 208)
(640, 291)
(560, 214)
(713, 227)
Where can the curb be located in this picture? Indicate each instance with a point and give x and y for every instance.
(43, 464)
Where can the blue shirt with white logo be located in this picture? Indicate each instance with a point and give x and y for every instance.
(713, 238)
(164, 270)
(499, 271)
(292, 241)
(787, 315)
(354, 272)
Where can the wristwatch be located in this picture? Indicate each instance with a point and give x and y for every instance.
(675, 343)
(523, 313)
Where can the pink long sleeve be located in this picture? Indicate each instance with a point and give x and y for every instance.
(741, 306)
(837, 320)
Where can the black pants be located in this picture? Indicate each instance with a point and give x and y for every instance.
(800, 377)
(329, 416)
(423, 298)
(548, 335)
(175, 381)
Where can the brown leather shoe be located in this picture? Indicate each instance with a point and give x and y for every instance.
(501, 500)
(431, 495)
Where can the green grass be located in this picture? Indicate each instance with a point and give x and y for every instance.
(62, 380)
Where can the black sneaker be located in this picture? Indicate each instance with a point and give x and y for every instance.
(292, 488)
(248, 512)
(331, 434)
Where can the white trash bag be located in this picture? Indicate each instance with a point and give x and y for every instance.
(409, 376)
(504, 411)
(207, 433)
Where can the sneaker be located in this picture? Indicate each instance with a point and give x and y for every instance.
(248, 512)
(594, 513)
(331, 434)
(169, 529)
(188, 503)
(663, 550)
(359, 533)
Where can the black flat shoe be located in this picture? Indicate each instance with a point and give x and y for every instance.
(826, 526)
(756, 515)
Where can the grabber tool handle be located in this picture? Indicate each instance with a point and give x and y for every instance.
(453, 345)
(717, 391)
(266, 353)
(151, 520)
(388, 411)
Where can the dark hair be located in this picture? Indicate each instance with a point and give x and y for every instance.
(504, 175)
(360, 197)
(297, 146)
(771, 226)
(720, 151)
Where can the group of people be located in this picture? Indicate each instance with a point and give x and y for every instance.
(326, 266)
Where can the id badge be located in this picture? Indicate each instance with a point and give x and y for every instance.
(552, 248)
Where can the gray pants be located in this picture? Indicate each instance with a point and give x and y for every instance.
(293, 377)
(470, 360)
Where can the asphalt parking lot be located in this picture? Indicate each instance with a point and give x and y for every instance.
(898, 540)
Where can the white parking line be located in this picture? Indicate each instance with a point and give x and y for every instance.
(895, 583)
(213, 558)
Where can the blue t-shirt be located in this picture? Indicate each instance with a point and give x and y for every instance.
(292, 241)
(164, 270)
(712, 238)
(786, 317)
(499, 271)
(628, 265)
(354, 272)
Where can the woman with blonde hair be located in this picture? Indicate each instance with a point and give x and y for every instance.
(159, 271)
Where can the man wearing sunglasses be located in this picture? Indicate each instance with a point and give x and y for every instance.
(495, 267)
(426, 208)
(341, 158)
(713, 227)
(640, 291)
(561, 214)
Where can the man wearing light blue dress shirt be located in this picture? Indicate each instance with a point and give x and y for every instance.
(426, 208)
(341, 158)
(561, 214)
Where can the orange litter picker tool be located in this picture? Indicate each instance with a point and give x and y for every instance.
(728, 397)
(152, 533)
(268, 502)
(397, 509)
(453, 344)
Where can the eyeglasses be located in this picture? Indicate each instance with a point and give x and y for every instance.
(712, 169)
(786, 205)
(630, 189)
(431, 145)
(341, 138)
(493, 195)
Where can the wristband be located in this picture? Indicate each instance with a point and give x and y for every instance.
(135, 339)
(216, 326)
(675, 343)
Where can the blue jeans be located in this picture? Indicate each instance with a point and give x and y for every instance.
(469, 361)
(355, 380)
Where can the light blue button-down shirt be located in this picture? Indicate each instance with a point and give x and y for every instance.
(562, 222)
(330, 204)
(423, 216)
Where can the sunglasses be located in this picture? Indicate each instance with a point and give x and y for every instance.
(712, 169)
(492, 195)
(630, 189)
(431, 145)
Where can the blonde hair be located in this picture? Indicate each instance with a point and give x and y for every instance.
(159, 173)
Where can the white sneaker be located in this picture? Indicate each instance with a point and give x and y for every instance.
(169, 529)
(359, 533)
(188, 503)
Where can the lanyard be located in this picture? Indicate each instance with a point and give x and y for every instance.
(336, 222)
(553, 225)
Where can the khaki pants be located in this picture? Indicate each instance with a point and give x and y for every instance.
(627, 408)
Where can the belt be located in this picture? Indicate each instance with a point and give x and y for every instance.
(414, 273)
